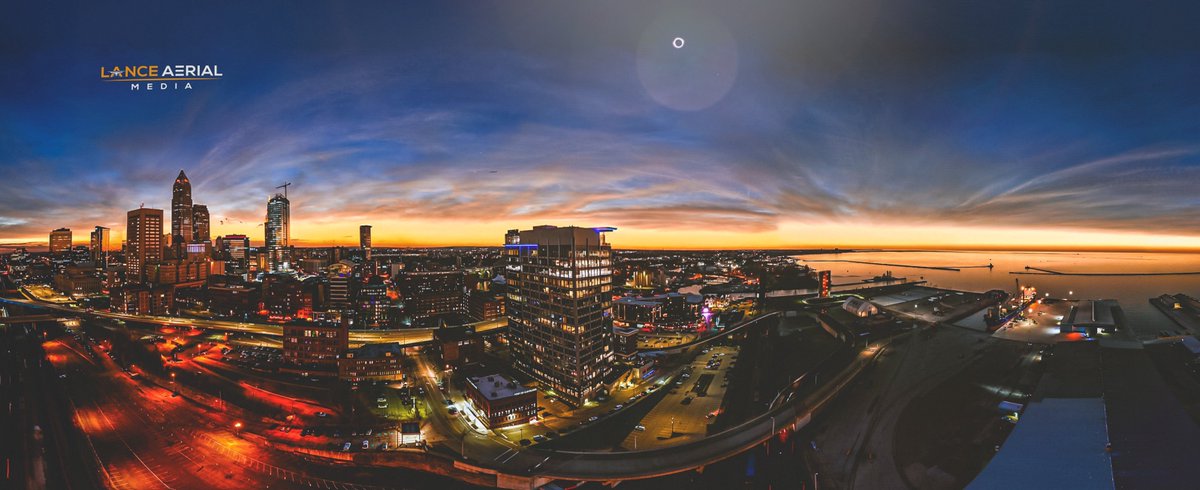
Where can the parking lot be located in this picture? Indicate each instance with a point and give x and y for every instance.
(695, 399)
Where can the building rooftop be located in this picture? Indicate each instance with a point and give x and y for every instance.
(453, 333)
(659, 298)
(1076, 458)
(376, 351)
(497, 386)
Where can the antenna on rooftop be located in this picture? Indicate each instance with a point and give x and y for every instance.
(284, 186)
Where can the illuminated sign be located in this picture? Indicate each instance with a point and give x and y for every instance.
(825, 279)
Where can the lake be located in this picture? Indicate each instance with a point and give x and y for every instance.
(1133, 292)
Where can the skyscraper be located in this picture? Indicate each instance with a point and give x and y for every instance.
(99, 245)
(143, 242)
(182, 230)
(364, 240)
(560, 286)
(237, 249)
(277, 232)
(200, 228)
(60, 240)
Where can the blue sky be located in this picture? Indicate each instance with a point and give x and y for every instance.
(775, 122)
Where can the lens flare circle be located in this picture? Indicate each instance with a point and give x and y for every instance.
(691, 79)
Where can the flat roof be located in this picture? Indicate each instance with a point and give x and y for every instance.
(376, 351)
(658, 299)
(497, 386)
(1058, 443)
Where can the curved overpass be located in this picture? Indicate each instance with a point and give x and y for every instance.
(630, 465)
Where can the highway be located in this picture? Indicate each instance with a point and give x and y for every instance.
(146, 438)
(411, 336)
(113, 409)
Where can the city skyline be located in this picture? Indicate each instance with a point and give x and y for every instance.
(1014, 126)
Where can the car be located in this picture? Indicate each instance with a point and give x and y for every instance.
(366, 444)
(383, 447)
(686, 401)
(381, 400)
(346, 447)
(62, 376)
(539, 438)
(639, 428)
(381, 405)
(593, 418)
(525, 442)
(452, 410)
(619, 406)
(322, 414)
(449, 402)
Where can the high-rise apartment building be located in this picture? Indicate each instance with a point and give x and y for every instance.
(364, 240)
(182, 230)
(277, 232)
(559, 292)
(200, 226)
(143, 242)
(60, 240)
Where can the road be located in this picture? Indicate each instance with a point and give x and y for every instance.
(147, 438)
(410, 336)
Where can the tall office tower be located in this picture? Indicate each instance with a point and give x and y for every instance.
(60, 240)
(560, 289)
(143, 242)
(364, 240)
(181, 212)
(238, 249)
(200, 229)
(278, 233)
(100, 246)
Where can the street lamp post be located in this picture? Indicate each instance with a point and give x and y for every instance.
(673, 426)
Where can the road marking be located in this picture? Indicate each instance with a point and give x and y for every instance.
(511, 456)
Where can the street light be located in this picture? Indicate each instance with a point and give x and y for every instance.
(237, 428)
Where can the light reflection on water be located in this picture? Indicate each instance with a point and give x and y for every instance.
(1133, 292)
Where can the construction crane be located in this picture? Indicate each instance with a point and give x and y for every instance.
(284, 187)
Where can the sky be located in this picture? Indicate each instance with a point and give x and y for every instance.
(804, 123)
